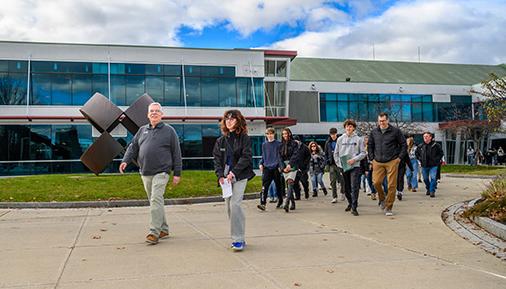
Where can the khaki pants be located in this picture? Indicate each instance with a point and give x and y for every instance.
(379, 171)
(155, 188)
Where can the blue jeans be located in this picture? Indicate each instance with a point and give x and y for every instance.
(273, 194)
(429, 178)
(317, 179)
(412, 175)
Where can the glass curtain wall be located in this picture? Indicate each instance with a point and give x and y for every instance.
(73, 83)
(336, 107)
(46, 148)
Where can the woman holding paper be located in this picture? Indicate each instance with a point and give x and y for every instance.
(348, 154)
(233, 165)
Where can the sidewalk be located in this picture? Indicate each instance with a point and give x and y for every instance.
(316, 246)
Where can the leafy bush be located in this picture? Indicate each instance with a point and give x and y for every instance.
(493, 203)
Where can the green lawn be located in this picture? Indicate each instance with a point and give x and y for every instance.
(474, 170)
(88, 187)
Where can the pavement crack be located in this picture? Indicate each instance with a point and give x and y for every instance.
(4, 213)
(72, 247)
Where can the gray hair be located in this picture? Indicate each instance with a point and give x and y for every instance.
(155, 103)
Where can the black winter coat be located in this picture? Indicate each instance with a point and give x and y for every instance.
(242, 157)
(304, 156)
(429, 154)
(289, 151)
(384, 147)
(328, 152)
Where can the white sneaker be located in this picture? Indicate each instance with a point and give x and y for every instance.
(334, 200)
(389, 213)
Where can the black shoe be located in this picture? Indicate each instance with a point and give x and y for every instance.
(315, 194)
(306, 195)
(347, 208)
(286, 207)
(261, 207)
(427, 193)
(292, 206)
(399, 197)
(297, 198)
(279, 204)
(354, 212)
(324, 192)
(433, 194)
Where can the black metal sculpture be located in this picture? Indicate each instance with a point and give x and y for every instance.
(105, 116)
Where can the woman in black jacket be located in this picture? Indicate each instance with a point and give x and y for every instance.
(289, 156)
(233, 163)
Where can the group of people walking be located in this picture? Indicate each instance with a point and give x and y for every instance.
(381, 158)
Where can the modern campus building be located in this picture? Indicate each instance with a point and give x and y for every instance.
(43, 85)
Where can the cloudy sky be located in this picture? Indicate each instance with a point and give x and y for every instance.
(455, 31)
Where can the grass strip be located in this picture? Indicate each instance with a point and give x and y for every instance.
(88, 187)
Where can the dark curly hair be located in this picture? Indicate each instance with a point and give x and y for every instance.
(240, 125)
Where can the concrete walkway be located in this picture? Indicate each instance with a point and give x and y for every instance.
(316, 246)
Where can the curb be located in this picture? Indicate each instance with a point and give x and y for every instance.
(470, 231)
(471, 176)
(114, 203)
(491, 226)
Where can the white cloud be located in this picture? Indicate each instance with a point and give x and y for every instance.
(445, 31)
(146, 22)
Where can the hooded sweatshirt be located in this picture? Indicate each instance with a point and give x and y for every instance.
(352, 146)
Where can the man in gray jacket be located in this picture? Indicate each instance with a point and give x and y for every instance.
(156, 149)
(348, 154)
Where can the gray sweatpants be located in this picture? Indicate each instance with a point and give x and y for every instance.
(155, 188)
(235, 212)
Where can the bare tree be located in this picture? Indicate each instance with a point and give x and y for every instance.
(495, 97)
(395, 117)
(12, 91)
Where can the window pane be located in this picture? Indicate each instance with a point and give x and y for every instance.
(342, 97)
(192, 145)
(280, 94)
(81, 89)
(154, 69)
(40, 142)
(417, 111)
(99, 68)
(270, 67)
(281, 68)
(259, 92)
(406, 112)
(118, 89)
(331, 111)
(134, 88)
(210, 132)
(227, 92)
(243, 91)
(428, 112)
(100, 84)
(172, 91)
(427, 98)
(362, 111)
(172, 70)
(135, 69)
(4, 66)
(117, 68)
(14, 145)
(154, 87)
(61, 89)
(41, 89)
(210, 91)
(13, 89)
(65, 142)
(342, 110)
(191, 70)
(353, 110)
(42, 66)
(193, 91)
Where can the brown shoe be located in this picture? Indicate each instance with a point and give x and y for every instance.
(414, 190)
(152, 239)
(163, 235)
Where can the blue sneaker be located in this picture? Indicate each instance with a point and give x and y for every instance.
(238, 246)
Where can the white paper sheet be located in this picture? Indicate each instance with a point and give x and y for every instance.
(226, 189)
